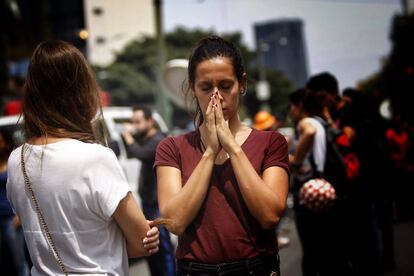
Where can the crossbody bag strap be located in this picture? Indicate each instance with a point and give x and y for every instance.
(40, 216)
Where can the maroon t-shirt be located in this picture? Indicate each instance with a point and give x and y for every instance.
(224, 230)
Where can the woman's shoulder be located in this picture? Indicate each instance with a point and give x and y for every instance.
(72, 149)
(272, 135)
(79, 147)
(89, 157)
(14, 156)
(97, 151)
(180, 140)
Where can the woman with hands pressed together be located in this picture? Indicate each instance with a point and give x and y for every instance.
(73, 200)
(222, 188)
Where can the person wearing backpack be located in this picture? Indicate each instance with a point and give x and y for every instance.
(369, 196)
(345, 126)
(323, 251)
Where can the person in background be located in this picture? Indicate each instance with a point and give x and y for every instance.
(325, 87)
(12, 244)
(263, 120)
(223, 187)
(372, 198)
(320, 232)
(76, 208)
(142, 137)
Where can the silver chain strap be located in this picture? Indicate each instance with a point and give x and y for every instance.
(40, 216)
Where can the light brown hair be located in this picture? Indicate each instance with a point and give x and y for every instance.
(61, 95)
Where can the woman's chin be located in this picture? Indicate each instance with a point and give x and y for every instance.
(228, 117)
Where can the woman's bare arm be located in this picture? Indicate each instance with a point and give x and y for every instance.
(307, 136)
(135, 228)
(180, 204)
(265, 195)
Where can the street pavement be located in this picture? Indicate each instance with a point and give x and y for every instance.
(404, 249)
(290, 255)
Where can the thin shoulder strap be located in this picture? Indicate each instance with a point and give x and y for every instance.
(42, 221)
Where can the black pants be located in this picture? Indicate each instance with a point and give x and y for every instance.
(323, 242)
(260, 266)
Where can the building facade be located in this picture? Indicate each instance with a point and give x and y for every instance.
(113, 24)
(281, 46)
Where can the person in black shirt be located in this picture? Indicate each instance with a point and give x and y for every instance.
(141, 138)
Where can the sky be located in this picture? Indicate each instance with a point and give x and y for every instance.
(348, 38)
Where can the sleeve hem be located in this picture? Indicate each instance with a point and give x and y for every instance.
(168, 164)
(278, 164)
(116, 199)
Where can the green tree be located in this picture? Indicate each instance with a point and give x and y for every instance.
(131, 77)
(280, 88)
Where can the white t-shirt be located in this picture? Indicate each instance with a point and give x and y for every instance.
(318, 149)
(78, 186)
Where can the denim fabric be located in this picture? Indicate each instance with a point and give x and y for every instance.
(13, 238)
(161, 263)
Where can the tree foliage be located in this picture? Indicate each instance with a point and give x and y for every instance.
(280, 88)
(395, 80)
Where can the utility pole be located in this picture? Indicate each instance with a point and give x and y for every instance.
(262, 86)
(162, 103)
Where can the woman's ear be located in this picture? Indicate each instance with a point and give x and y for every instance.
(243, 86)
(191, 87)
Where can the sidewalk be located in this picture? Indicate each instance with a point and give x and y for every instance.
(139, 268)
(404, 249)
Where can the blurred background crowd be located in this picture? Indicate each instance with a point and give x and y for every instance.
(354, 56)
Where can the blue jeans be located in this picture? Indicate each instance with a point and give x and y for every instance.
(13, 239)
(161, 263)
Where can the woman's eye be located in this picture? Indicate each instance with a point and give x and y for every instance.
(226, 86)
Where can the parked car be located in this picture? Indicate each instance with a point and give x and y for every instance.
(113, 119)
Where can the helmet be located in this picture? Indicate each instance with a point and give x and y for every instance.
(264, 120)
(317, 194)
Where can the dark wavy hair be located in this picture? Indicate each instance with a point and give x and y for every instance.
(61, 96)
(208, 48)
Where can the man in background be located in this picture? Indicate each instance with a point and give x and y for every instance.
(141, 138)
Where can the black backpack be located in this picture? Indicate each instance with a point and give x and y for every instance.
(335, 171)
